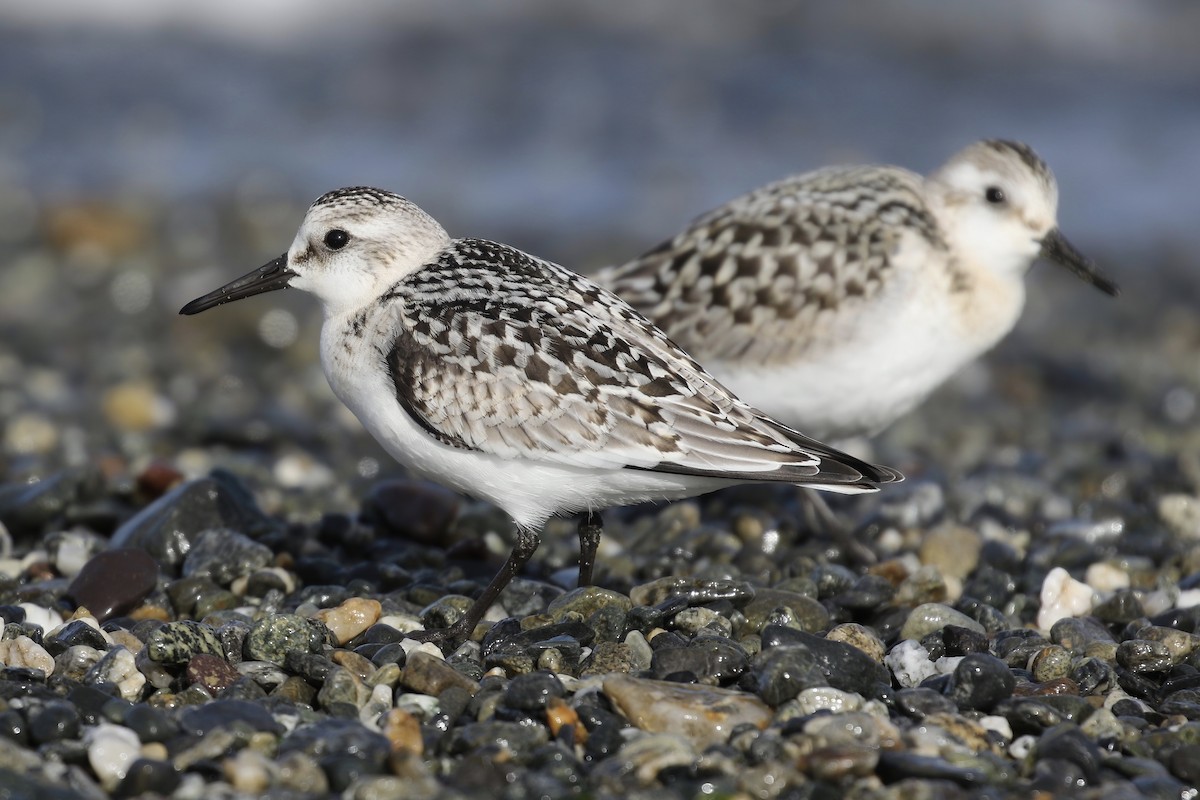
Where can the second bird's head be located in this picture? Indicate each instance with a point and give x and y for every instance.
(352, 245)
(1000, 200)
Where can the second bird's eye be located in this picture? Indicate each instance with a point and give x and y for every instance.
(995, 195)
(336, 239)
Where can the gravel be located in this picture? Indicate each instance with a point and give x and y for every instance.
(206, 578)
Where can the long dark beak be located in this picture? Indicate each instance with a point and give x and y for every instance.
(267, 278)
(1056, 248)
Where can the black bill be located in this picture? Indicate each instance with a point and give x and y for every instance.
(1056, 248)
(267, 278)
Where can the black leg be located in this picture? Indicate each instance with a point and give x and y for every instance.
(590, 528)
(820, 517)
(523, 550)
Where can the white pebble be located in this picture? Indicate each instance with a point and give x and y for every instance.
(111, 749)
(73, 552)
(378, 704)
(1158, 601)
(1181, 513)
(826, 698)
(1063, 596)
(47, 618)
(1188, 598)
(1022, 746)
(1105, 577)
(412, 646)
(302, 471)
(910, 663)
(947, 664)
(25, 652)
(998, 724)
(421, 706)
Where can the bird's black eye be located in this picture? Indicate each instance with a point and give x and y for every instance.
(995, 195)
(336, 239)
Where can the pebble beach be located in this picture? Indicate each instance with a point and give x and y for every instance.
(207, 568)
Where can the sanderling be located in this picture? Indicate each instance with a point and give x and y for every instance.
(838, 299)
(520, 382)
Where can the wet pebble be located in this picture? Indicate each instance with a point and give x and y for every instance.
(114, 582)
(704, 715)
(272, 638)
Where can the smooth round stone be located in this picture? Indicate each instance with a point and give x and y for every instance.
(694, 620)
(980, 681)
(380, 633)
(806, 613)
(351, 618)
(860, 637)
(533, 691)
(445, 611)
(26, 508)
(830, 579)
(412, 509)
(222, 554)
(340, 688)
(54, 722)
(868, 592)
(1051, 663)
(524, 597)
(114, 582)
(990, 585)
(1076, 633)
(1122, 607)
(845, 667)
(1141, 656)
(695, 591)
(782, 672)
(704, 715)
(149, 723)
(428, 674)
(516, 740)
(111, 749)
(212, 672)
(705, 656)
(613, 657)
(921, 702)
(167, 527)
(960, 641)
(587, 601)
(1093, 675)
(953, 549)
(930, 617)
(327, 740)
(179, 642)
(233, 715)
(1068, 743)
(1179, 644)
(272, 638)
(75, 662)
(72, 634)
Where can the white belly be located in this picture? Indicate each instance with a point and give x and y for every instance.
(866, 376)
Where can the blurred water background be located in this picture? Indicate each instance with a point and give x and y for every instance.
(150, 152)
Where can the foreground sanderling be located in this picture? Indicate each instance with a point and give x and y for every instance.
(517, 381)
(837, 300)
